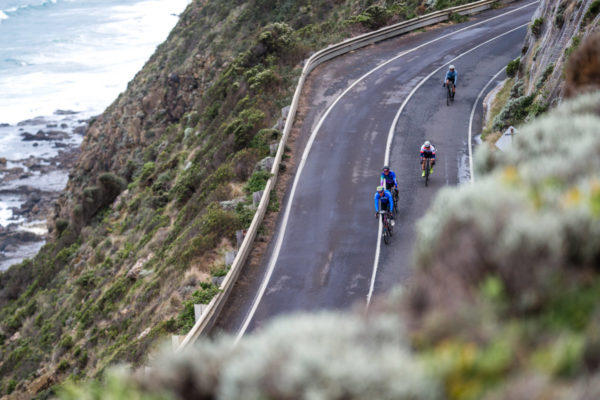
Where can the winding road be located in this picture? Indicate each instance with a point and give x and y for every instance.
(370, 107)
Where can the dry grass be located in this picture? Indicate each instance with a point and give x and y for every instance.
(498, 102)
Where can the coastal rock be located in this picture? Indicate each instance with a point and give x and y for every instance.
(41, 135)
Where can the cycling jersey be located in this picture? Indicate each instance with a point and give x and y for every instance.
(428, 153)
(388, 180)
(387, 202)
(451, 76)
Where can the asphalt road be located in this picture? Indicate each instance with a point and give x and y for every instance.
(327, 254)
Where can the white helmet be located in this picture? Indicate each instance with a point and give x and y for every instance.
(451, 67)
(427, 143)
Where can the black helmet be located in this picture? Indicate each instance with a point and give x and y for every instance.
(386, 168)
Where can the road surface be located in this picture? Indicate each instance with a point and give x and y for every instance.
(376, 104)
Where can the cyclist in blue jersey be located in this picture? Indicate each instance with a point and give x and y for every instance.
(451, 76)
(384, 198)
(388, 179)
(389, 182)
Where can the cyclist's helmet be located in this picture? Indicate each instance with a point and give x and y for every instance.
(451, 67)
(427, 144)
(380, 189)
(385, 168)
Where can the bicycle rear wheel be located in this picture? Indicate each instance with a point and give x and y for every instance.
(386, 236)
(427, 169)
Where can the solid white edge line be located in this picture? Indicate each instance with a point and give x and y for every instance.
(393, 129)
(281, 234)
(471, 123)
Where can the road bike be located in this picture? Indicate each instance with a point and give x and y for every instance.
(394, 192)
(427, 162)
(449, 93)
(388, 229)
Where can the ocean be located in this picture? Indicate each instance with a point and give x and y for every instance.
(62, 62)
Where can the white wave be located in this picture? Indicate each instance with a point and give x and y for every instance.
(3, 16)
(88, 69)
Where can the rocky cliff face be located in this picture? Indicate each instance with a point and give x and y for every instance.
(558, 26)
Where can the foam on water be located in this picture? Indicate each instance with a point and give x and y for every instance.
(66, 55)
(77, 54)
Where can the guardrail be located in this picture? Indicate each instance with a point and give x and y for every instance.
(212, 310)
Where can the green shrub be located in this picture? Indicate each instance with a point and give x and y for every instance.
(373, 17)
(513, 113)
(11, 386)
(513, 67)
(86, 280)
(592, 11)
(257, 181)
(111, 185)
(559, 18)
(147, 171)
(186, 318)
(542, 79)
(66, 343)
(61, 225)
(63, 365)
(244, 127)
(536, 26)
(575, 42)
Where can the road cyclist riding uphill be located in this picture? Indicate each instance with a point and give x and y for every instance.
(389, 182)
(427, 160)
(384, 204)
(450, 83)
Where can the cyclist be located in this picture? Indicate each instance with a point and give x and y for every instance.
(384, 197)
(388, 180)
(451, 76)
(427, 151)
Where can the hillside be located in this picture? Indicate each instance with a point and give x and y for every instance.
(163, 182)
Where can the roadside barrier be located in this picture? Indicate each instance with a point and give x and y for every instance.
(212, 310)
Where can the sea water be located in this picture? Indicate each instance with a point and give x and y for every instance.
(62, 62)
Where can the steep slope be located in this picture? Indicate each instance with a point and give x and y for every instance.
(163, 181)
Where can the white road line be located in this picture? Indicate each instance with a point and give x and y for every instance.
(306, 152)
(471, 122)
(393, 129)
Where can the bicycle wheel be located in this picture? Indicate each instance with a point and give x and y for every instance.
(448, 95)
(427, 167)
(386, 236)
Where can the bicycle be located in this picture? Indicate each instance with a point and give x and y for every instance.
(450, 93)
(388, 229)
(427, 170)
(394, 192)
